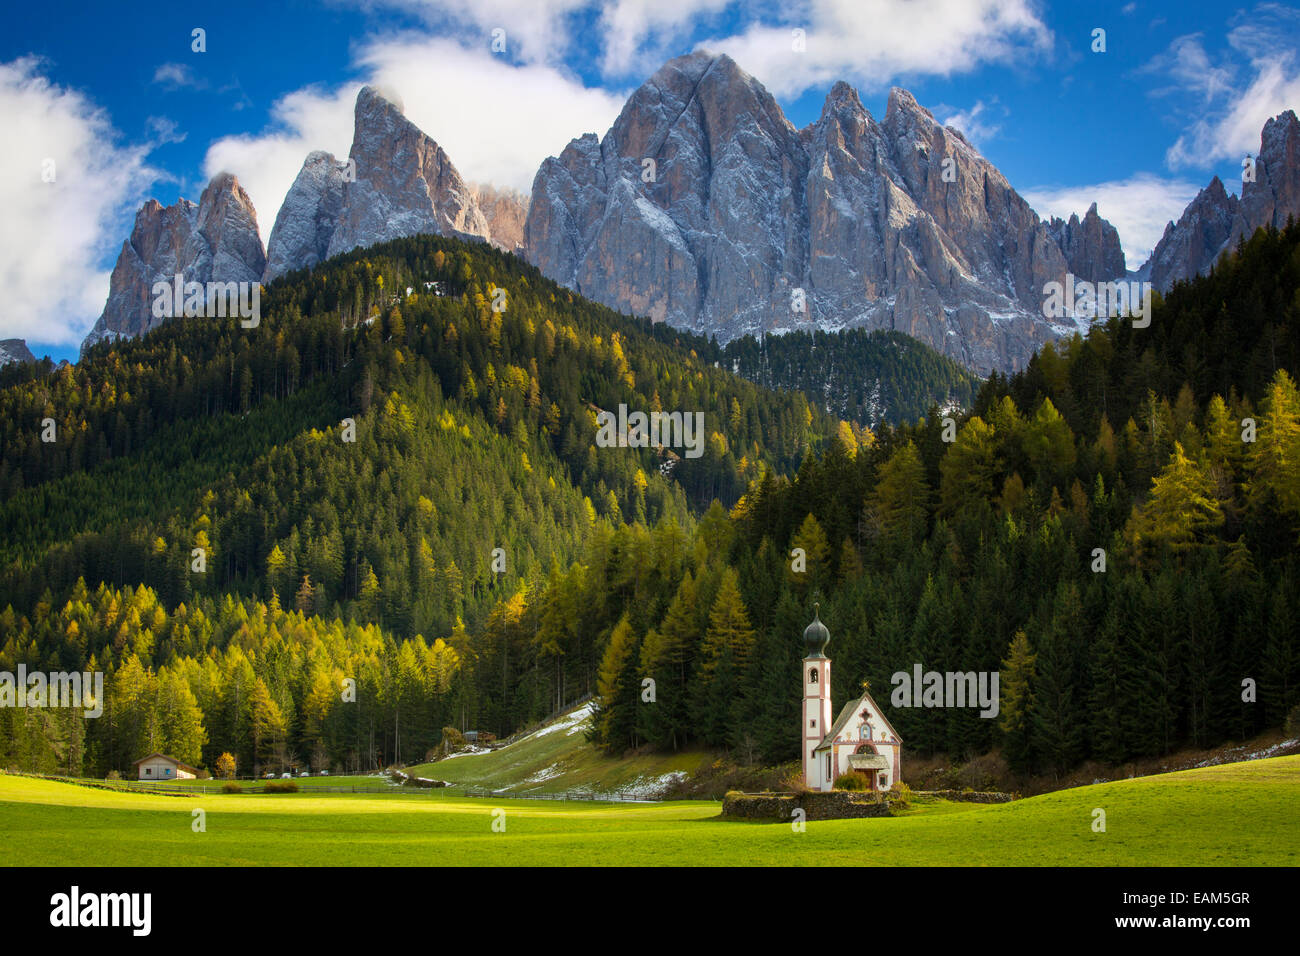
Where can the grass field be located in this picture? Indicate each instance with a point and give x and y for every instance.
(304, 783)
(558, 758)
(1235, 814)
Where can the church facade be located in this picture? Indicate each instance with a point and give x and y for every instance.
(861, 740)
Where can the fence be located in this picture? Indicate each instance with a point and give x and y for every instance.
(203, 787)
(565, 795)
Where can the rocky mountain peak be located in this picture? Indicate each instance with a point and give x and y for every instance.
(903, 111)
(373, 99)
(404, 183)
(228, 222)
(396, 182)
(1091, 246)
(214, 241)
(305, 223)
(1216, 220)
(747, 225)
(15, 350)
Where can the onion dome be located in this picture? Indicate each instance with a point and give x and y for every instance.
(815, 636)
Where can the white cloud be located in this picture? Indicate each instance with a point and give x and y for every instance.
(497, 129)
(535, 31)
(874, 42)
(267, 163)
(1138, 208)
(1231, 133)
(637, 33)
(1229, 111)
(175, 76)
(163, 130)
(1190, 68)
(975, 129)
(56, 233)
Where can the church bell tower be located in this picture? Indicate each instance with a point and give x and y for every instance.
(816, 702)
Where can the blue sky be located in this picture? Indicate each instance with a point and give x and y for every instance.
(118, 98)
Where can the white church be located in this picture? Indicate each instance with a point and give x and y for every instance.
(860, 741)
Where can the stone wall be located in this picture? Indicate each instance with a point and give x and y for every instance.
(969, 796)
(836, 805)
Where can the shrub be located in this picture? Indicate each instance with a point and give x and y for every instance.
(452, 741)
(230, 786)
(281, 786)
(113, 775)
(851, 781)
(791, 779)
(226, 766)
(901, 792)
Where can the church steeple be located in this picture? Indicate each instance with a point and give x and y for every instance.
(816, 668)
(816, 636)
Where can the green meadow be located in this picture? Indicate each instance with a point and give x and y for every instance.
(559, 758)
(1235, 814)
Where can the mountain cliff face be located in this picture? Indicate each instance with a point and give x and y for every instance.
(1215, 219)
(1190, 246)
(214, 241)
(506, 211)
(405, 184)
(1091, 246)
(704, 207)
(398, 182)
(305, 223)
(1274, 195)
(15, 350)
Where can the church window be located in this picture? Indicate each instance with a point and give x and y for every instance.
(812, 676)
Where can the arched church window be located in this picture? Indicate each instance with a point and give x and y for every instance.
(812, 676)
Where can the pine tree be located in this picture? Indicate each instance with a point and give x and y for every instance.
(811, 539)
(1181, 508)
(615, 715)
(901, 499)
(1017, 703)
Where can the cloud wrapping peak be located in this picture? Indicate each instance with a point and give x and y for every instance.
(57, 233)
(497, 129)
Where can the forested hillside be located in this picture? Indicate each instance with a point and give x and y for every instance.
(1114, 530)
(406, 439)
(859, 376)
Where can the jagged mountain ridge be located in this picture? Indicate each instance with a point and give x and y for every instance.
(214, 241)
(898, 224)
(1215, 220)
(1091, 245)
(396, 182)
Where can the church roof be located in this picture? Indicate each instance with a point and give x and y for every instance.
(847, 712)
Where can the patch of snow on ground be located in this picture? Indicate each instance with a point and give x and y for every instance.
(1236, 754)
(571, 723)
(649, 787)
(546, 773)
(470, 751)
